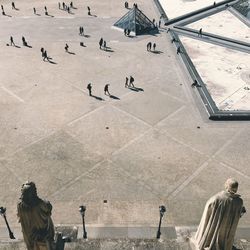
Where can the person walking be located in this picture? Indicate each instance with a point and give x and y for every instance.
(13, 6)
(200, 32)
(23, 40)
(89, 11)
(149, 45)
(66, 47)
(3, 12)
(100, 43)
(178, 50)
(45, 55)
(131, 82)
(104, 45)
(106, 90)
(34, 10)
(89, 87)
(154, 46)
(12, 41)
(126, 82)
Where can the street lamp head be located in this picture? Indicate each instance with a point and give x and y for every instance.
(82, 209)
(2, 210)
(162, 209)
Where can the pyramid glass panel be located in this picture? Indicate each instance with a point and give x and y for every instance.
(136, 22)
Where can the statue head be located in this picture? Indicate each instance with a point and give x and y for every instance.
(231, 185)
(29, 194)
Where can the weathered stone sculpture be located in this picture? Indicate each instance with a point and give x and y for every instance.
(35, 218)
(220, 219)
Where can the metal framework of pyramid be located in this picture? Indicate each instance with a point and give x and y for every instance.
(135, 21)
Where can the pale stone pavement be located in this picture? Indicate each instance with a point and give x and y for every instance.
(151, 147)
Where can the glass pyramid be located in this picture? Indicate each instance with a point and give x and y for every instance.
(136, 22)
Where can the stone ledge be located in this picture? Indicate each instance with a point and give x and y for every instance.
(108, 244)
(123, 244)
(103, 232)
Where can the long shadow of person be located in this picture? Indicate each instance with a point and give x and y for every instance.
(130, 36)
(51, 62)
(50, 15)
(108, 49)
(49, 59)
(71, 53)
(114, 97)
(156, 51)
(97, 98)
(7, 15)
(136, 89)
(16, 46)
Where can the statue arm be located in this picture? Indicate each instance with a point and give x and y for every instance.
(243, 211)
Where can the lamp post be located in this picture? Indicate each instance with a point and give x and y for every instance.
(82, 210)
(162, 211)
(3, 213)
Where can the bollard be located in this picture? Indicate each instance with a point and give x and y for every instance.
(3, 213)
(82, 210)
(162, 211)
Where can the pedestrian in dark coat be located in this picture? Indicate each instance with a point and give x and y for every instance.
(89, 87)
(100, 43)
(106, 89)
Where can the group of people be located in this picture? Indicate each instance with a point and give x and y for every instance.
(106, 89)
(129, 82)
(127, 6)
(13, 44)
(127, 32)
(44, 54)
(65, 7)
(102, 44)
(81, 31)
(13, 6)
(61, 6)
(149, 46)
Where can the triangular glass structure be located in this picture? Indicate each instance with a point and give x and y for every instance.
(136, 22)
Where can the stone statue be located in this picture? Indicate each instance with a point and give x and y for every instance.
(220, 219)
(35, 217)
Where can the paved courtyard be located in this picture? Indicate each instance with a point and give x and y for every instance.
(137, 151)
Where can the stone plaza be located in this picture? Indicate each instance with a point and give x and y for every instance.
(122, 155)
